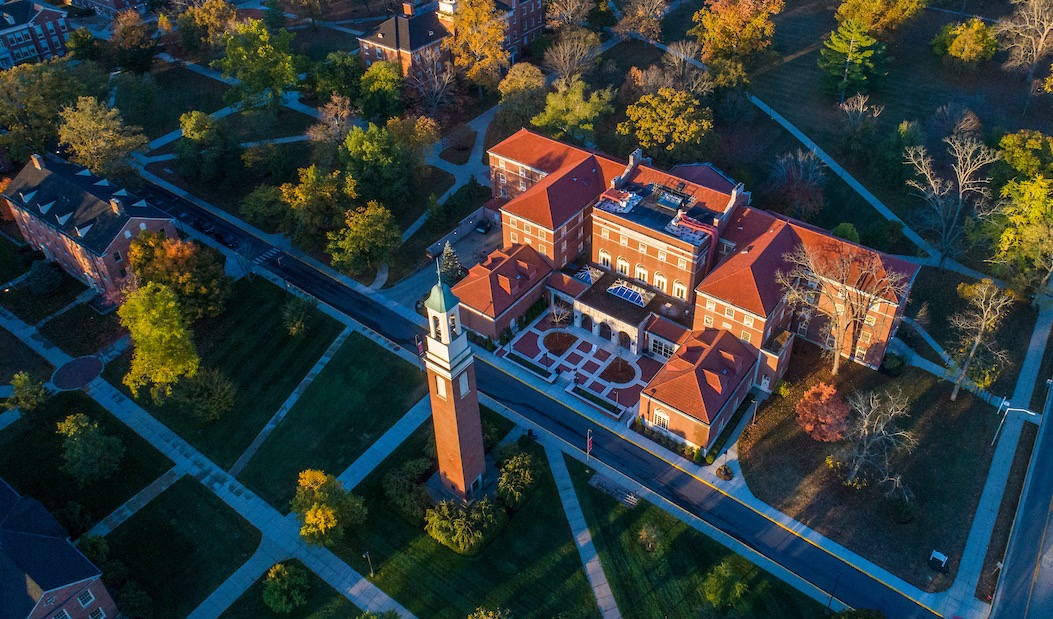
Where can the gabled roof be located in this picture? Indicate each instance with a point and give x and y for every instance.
(557, 198)
(71, 199)
(700, 377)
(35, 554)
(538, 152)
(570, 286)
(705, 174)
(667, 329)
(506, 275)
(21, 12)
(408, 34)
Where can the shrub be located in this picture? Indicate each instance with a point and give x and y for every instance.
(901, 509)
(29, 393)
(726, 584)
(782, 388)
(296, 313)
(74, 518)
(207, 395)
(43, 277)
(285, 588)
(649, 537)
(518, 476)
(465, 531)
(405, 492)
(893, 364)
(134, 602)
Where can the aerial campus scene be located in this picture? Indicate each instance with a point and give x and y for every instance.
(516, 309)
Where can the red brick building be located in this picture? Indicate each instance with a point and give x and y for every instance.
(30, 32)
(84, 223)
(43, 575)
(501, 288)
(418, 32)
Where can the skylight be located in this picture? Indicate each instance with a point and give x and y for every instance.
(630, 292)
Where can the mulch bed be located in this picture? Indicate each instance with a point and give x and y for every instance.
(559, 343)
(618, 371)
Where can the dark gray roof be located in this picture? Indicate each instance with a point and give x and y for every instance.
(71, 199)
(20, 12)
(661, 304)
(35, 554)
(409, 33)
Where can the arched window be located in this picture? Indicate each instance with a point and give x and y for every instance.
(623, 266)
(679, 290)
(659, 281)
(605, 258)
(453, 326)
(641, 273)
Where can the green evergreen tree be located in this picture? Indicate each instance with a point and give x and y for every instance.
(450, 269)
(851, 57)
(89, 453)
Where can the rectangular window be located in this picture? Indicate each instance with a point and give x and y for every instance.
(747, 320)
(861, 352)
(708, 321)
(62, 614)
(661, 255)
(871, 320)
(802, 329)
(116, 256)
(682, 263)
(522, 171)
(661, 420)
(729, 312)
(661, 348)
(440, 387)
(604, 233)
(643, 249)
(501, 177)
(865, 338)
(541, 250)
(463, 383)
(746, 337)
(522, 185)
(624, 241)
(581, 247)
(98, 613)
(710, 304)
(85, 598)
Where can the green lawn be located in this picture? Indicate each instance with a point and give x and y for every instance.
(936, 291)
(531, 567)
(667, 582)
(179, 90)
(31, 458)
(256, 125)
(432, 181)
(787, 469)
(83, 331)
(361, 393)
(14, 260)
(249, 343)
(317, 43)
(616, 62)
(676, 23)
(31, 308)
(182, 545)
(323, 602)
(17, 357)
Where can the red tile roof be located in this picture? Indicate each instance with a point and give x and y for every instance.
(567, 285)
(503, 278)
(666, 329)
(539, 152)
(703, 373)
(558, 197)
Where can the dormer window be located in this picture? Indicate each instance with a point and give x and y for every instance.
(62, 219)
(44, 208)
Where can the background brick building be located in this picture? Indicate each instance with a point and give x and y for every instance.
(30, 32)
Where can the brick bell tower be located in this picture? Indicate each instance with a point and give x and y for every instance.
(454, 399)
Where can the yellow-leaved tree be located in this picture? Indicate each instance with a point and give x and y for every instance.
(477, 44)
(325, 508)
(163, 348)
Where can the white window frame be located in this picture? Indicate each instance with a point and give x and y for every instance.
(746, 336)
(605, 258)
(462, 382)
(747, 320)
(660, 419)
(641, 273)
(440, 387)
(707, 321)
(680, 290)
(711, 305)
(623, 265)
(98, 613)
(729, 312)
(659, 281)
(870, 320)
(80, 598)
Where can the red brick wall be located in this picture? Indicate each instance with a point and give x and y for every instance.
(458, 432)
(558, 246)
(40, 45)
(493, 328)
(65, 598)
(711, 313)
(511, 180)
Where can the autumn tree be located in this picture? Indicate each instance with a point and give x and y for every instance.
(672, 119)
(450, 269)
(643, 18)
(822, 413)
(1020, 228)
(567, 14)
(368, 238)
(979, 357)
(522, 93)
(195, 273)
(209, 150)
(432, 83)
(285, 588)
(209, 394)
(1028, 152)
(88, 453)
(415, 135)
(97, 137)
(327, 135)
(949, 201)
(163, 348)
(262, 63)
(83, 45)
(680, 64)
(131, 42)
(969, 43)
(27, 393)
(1027, 35)
(340, 74)
(325, 509)
(735, 29)
(382, 90)
(32, 96)
(476, 43)
(639, 82)
(879, 15)
(798, 179)
(379, 163)
(850, 57)
(568, 111)
(317, 201)
(841, 285)
(873, 437)
(204, 24)
(491, 613)
(574, 53)
(265, 208)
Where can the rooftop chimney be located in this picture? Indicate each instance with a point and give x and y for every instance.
(117, 205)
(38, 161)
(407, 9)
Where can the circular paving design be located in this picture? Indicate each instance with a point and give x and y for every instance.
(77, 373)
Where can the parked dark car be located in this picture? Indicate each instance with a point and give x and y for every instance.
(483, 226)
(204, 226)
(227, 238)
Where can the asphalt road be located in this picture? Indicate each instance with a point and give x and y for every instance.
(822, 569)
(1025, 588)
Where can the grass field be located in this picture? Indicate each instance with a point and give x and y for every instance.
(432, 181)
(256, 125)
(179, 90)
(317, 43)
(676, 23)
(667, 582)
(17, 357)
(531, 568)
(83, 331)
(14, 260)
(182, 545)
(33, 308)
(936, 290)
(31, 458)
(361, 393)
(787, 469)
(249, 344)
(323, 602)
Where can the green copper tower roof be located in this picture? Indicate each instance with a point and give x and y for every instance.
(441, 299)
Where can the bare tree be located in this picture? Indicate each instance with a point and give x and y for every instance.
(337, 118)
(1027, 35)
(976, 327)
(948, 200)
(567, 14)
(955, 118)
(684, 69)
(574, 53)
(642, 17)
(561, 313)
(799, 177)
(874, 436)
(432, 82)
(860, 122)
(841, 282)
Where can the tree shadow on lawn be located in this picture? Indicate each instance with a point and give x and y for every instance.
(787, 469)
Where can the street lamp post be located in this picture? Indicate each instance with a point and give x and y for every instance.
(365, 556)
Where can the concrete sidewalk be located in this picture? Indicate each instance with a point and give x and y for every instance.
(387, 443)
(266, 555)
(137, 502)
